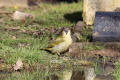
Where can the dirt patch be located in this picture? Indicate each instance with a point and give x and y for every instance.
(87, 50)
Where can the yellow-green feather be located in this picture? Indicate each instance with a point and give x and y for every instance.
(48, 49)
(59, 38)
(64, 38)
(56, 42)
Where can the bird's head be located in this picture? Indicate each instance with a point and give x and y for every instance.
(66, 32)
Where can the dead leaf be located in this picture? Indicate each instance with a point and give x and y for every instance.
(52, 30)
(2, 66)
(18, 65)
(14, 28)
(1, 20)
(14, 37)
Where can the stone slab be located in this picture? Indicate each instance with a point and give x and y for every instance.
(107, 27)
(91, 6)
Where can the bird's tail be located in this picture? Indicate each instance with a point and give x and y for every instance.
(42, 49)
(46, 49)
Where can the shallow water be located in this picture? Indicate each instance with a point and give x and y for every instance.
(48, 74)
(74, 70)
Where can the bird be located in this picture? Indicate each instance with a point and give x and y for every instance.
(61, 43)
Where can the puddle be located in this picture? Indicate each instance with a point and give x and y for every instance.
(48, 74)
(73, 71)
(68, 75)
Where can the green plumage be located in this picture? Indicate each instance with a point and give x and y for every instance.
(56, 42)
(61, 43)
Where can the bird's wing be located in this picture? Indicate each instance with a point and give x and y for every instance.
(59, 38)
(56, 42)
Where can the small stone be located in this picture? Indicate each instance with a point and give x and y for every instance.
(79, 26)
(76, 37)
(109, 68)
(117, 9)
(17, 15)
(80, 23)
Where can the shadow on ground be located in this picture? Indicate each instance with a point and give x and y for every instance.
(74, 17)
(36, 2)
(69, 1)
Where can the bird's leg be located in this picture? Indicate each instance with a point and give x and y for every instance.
(58, 53)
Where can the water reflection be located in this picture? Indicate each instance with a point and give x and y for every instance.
(67, 75)
(61, 72)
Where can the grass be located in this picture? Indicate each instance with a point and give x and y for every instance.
(27, 46)
(20, 43)
(117, 71)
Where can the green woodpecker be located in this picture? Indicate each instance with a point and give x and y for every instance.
(61, 44)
